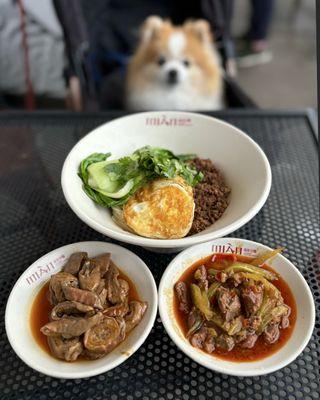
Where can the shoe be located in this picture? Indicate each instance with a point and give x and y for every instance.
(250, 54)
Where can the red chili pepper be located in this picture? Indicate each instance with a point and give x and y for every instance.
(224, 256)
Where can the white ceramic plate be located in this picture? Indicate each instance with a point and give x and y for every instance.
(305, 308)
(240, 159)
(23, 293)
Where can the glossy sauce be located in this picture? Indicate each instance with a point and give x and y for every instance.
(41, 309)
(260, 349)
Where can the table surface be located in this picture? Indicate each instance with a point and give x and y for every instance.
(36, 219)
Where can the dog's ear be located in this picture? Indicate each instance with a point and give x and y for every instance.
(201, 29)
(151, 28)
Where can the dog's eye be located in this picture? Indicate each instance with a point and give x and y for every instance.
(161, 60)
(186, 63)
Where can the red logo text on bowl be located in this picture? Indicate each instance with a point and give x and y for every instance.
(168, 121)
(46, 269)
(228, 248)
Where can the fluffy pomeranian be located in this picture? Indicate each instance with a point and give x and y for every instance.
(174, 68)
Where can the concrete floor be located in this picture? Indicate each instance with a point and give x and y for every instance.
(289, 80)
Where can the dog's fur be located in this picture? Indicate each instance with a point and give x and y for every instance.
(188, 50)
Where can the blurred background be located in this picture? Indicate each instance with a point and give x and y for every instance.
(57, 54)
(289, 79)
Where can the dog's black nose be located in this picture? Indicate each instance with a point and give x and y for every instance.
(172, 76)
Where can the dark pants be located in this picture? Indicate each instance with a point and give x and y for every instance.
(260, 19)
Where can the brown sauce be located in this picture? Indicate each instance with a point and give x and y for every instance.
(260, 349)
(41, 309)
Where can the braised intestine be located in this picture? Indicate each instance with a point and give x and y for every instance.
(92, 312)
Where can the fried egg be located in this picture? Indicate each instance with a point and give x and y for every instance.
(163, 209)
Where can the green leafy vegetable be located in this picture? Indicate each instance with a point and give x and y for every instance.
(93, 158)
(198, 322)
(212, 332)
(212, 289)
(110, 183)
(268, 286)
(201, 301)
(243, 267)
(231, 328)
(234, 326)
(274, 315)
(265, 256)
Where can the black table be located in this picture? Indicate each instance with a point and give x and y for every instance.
(36, 219)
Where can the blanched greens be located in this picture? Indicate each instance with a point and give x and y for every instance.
(110, 183)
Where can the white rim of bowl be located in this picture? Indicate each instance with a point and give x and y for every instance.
(170, 243)
(102, 369)
(192, 353)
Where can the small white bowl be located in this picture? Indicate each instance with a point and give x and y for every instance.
(304, 301)
(25, 290)
(241, 161)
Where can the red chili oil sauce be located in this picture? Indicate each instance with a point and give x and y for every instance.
(41, 309)
(260, 349)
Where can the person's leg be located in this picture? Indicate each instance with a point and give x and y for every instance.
(261, 16)
(252, 49)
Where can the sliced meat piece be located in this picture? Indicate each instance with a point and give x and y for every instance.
(136, 312)
(197, 339)
(103, 298)
(240, 336)
(229, 303)
(71, 326)
(285, 322)
(65, 349)
(195, 321)
(103, 262)
(89, 276)
(82, 296)
(101, 286)
(124, 289)
(221, 276)
(252, 297)
(112, 284)
(209, 344)
(252, 323)
(237, 279)
(75, 262)
(271, 333)
(105, 336)
(249, 341)
(201, 276)
(69, 308)
(92, 355)
(182, 294)
(204, 339)
(55, 286)
(225, 342)
(119, 310)
(102, 293)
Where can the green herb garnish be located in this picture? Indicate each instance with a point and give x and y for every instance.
(110, 183)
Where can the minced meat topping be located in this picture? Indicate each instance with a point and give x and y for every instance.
(210, 196)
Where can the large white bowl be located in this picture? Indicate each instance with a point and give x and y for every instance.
(302, 294)
(240, 159)
(23, 294)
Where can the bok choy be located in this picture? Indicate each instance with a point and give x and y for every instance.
(110, 183)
